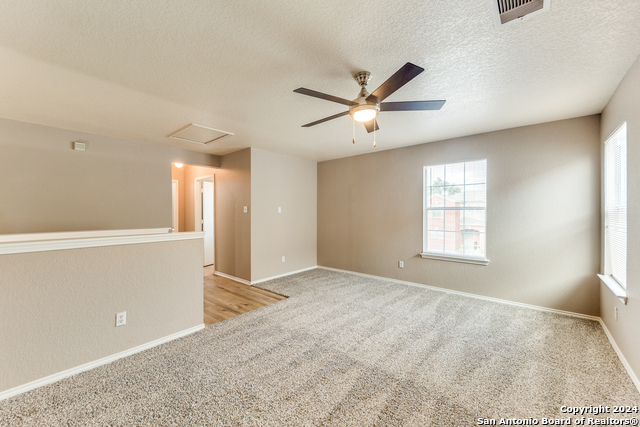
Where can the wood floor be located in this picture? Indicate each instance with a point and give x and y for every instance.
(225, 298)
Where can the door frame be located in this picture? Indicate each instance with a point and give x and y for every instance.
(175, 209)
(198, 207)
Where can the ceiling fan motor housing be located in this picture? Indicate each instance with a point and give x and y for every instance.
(363, 77)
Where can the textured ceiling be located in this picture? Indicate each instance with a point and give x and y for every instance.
(143, 69)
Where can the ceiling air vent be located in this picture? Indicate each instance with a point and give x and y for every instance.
(199, 134)
(505, 11)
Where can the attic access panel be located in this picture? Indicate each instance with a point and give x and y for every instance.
(505, 11)
(199, 134)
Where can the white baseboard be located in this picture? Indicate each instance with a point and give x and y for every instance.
(467, 294)
(626, 365)
(228, 276)
(87, 366)
(266, 279)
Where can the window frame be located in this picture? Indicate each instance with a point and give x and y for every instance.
(443, 256)
(608, 278)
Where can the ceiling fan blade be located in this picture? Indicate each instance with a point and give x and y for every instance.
(324, 96)
(326, 119)
(395, 82)
(369, 125)
(411, 106)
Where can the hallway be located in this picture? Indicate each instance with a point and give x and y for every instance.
(225, 298)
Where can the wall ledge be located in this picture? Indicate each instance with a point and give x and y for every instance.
(614, 287)
(454, 258)
(60, 235)
(44, 242)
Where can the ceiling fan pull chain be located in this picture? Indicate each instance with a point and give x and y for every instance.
(374, 131)
(354, 130)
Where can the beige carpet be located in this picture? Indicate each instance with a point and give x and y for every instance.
(345, 350)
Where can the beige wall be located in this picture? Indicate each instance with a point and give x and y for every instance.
(233, 226)
(543, 214)
(58, 308)
(178, 174)
(46, 186)
(625, 106)
(191, 173)
(291, 184)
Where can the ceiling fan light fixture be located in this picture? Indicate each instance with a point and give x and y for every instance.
(366, 106)
(364, 113)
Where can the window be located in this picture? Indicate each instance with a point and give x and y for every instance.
(455, 203)
(615, 205)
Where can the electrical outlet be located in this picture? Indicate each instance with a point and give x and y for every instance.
(279, 209)
(245, 209)
(615, 311)
(282, 258)
(401, 264)
(121, 318)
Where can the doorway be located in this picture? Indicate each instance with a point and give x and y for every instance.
(175, 206)
(204, 215)
(193, 188)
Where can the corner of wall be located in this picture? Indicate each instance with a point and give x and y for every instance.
(233, 225)
(624, 106)
(284, 214)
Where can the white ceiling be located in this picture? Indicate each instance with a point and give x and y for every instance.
(143, 69)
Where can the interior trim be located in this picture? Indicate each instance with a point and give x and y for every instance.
(111, 238)
(87, 366)
(230, 277)
(626, 365)
(8, 238)
(454, 258)
(467, 294)
(266, 279)
(615, 287)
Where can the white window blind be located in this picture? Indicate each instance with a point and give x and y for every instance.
(455, 203)
(615, 205)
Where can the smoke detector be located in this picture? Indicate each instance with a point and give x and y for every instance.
(199, 134)
(508, 11)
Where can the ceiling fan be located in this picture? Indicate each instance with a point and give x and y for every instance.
(367, 106)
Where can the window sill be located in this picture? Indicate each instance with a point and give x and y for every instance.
(454, 258)
(615, 287)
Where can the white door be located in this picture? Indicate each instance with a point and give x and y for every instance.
(174, 205)
(207, 221)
